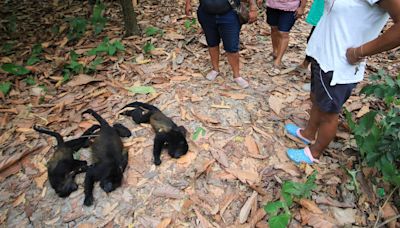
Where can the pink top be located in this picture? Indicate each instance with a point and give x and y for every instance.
(285, 5)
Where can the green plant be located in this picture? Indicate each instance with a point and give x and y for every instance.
(148, 47)
(7, 48)
(107, 47)
(199, 132)
(98, 20)
(77, 27)
(74, 66)
(14, 69)
(377, 133)
(5, 87)
(279, 211)
(93, 65)
(189, 24)
(34, 58)
(30, 80)
(152, 31)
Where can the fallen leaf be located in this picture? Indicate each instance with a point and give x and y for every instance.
(364, 110)
(82, 79)
(310, 205)
(289, 168)
(41, 180)
(20, 199)
(171, 35)
(344, 216)
(168, 191)
(187, 159)
(332, 202)
(244, 176)
(245, 211)
(180, 78)
(251, 145)
(203, 221)
(389, 212)
(276, 104)
(236, 96)
(316, 220)
(164, 223)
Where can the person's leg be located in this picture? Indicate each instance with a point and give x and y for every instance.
(285, 23)
(208, 23)
(272, 20)
(327, 127)
(283, 43)
(233, 60)
(229, 30)
(275, 37)
(214, 55)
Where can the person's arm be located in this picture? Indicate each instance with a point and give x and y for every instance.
(300, 11)
(188, 8)
(252, 11)
(388, 40)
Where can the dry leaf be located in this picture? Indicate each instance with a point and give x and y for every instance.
(203, 221)
(388, 212)
(171, 35)
(244, 176)
(244, 212)
(164, 223)
(344, 216)
(82, 79)
(364, 110)
(289, 168)
(316, 220)
(187, 159)
(20, 199)
(236, 96)
(251, 145)
(168, 191)
(41, 180)
(310, 205)
(276, 104)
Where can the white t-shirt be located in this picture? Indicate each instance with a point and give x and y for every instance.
(345, 24)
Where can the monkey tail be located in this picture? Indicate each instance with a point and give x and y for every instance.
(59, 138)
(100, 119)
(138, 104)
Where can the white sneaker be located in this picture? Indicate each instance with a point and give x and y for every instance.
(212, 75)
(242, 82)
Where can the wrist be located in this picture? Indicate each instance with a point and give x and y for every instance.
(360, 51)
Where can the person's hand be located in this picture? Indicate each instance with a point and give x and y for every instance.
(353, 56)
(188, 9)
(252, 16)
(299, 12)
(259, 3)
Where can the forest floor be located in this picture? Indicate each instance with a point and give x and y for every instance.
(241, 159)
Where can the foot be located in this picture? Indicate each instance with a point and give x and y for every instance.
(275, 70)
(242, 82)
(296, 132)
(212, 75)
(301, 155)
(302, 70)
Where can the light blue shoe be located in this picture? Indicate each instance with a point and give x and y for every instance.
(295, 131)
(301, 156)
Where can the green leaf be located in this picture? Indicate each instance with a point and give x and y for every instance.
(151, 31)
(32, 60)
(272, 208)
(280, 221)
(381, 192)
(30, 80)
(141, 89)
(5, 87)
(14, 69)
(7, 48)
(37, 49)
(198, 132)
(148, 47)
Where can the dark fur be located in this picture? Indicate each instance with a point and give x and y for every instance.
(62, 167)
(167, 132)
(109, 159)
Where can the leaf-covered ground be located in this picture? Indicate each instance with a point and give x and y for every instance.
(230, 172)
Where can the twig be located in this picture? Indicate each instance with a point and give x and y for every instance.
(384, 204)
(389, 220)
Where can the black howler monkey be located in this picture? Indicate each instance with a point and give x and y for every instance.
(167, 132)
(109, 158)
(62, 167)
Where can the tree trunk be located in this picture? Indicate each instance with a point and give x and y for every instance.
(130, 21)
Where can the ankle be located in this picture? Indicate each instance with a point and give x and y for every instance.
(307, 134)
(315, 151)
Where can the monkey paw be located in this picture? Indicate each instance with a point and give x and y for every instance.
(157, 162)
(88, 201)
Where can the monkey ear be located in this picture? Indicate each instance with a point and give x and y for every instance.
(182, 130)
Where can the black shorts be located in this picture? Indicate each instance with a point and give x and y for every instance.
(328, 98)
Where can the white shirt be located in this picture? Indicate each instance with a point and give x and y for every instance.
(345, 24)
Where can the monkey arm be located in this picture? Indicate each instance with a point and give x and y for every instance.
(122, 130)
(159, 141)
(91, 176)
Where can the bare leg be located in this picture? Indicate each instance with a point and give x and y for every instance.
(313, 123)
(214, 54)
(283, 44)
(233, 59)
(275, 40)
(326, 133)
